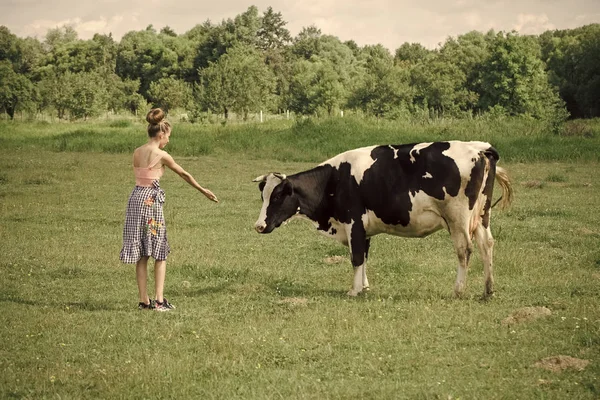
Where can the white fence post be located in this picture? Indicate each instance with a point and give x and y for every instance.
(261, 116)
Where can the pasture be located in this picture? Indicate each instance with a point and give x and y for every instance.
(267, 316)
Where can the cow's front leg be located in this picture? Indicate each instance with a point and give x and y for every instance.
(357, 241)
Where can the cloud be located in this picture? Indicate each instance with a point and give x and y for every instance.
(531, 24)
(117, 25)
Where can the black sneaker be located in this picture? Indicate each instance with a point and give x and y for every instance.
(164, 306)
(144, 306)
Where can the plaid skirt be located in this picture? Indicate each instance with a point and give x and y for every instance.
(145, 232)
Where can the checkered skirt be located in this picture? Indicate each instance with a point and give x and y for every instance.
(145, 232)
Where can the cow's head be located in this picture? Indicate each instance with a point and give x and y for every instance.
(279, 201)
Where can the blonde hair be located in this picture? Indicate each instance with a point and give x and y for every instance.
(157, 122)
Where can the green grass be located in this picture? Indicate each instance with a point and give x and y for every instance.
(518, 140)
(266, 316)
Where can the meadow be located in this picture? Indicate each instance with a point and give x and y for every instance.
(267, 316)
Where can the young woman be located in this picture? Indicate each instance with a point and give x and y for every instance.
(145, 232)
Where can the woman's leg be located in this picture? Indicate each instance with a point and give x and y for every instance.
(160, 268)
(141, 274)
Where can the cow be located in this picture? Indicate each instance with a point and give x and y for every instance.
(410, 190)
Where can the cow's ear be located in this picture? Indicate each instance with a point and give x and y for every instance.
(261, 178)
(261, 185)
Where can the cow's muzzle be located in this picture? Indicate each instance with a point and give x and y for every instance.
(260, 228)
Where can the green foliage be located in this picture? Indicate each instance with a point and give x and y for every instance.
(574, 66)
(513, 77)
(549, 77)
(272, 33)
(16, 90)
(89, 95)
(170, 93)
(385, 87)
(80, 95)
(239, 82)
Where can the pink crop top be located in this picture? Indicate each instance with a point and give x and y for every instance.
(146, 175)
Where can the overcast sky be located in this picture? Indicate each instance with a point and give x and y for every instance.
(389, 22)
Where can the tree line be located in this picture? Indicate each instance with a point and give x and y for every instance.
(251, 63)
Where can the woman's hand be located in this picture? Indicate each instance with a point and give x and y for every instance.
(210, 195)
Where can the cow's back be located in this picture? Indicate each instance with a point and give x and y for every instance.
(396, 183)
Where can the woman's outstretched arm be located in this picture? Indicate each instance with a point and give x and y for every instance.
(170, 162)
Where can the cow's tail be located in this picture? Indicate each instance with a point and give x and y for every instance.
(507, 190)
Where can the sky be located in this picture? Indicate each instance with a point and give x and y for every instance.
(387, 22)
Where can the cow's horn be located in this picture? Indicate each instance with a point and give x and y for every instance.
(279, 175)
(261, 178)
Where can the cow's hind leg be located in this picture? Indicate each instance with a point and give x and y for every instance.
(485, 242)
(358, 250)
(464, 248)
(365, 282)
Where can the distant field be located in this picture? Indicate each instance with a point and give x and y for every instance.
(266, 316)
(519, 140)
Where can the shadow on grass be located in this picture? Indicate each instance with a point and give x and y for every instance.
(200, 292)
(86, 305)
(294, 290)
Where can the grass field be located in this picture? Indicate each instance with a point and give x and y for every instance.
(266, 316)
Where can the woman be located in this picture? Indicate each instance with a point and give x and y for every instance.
(145, 233)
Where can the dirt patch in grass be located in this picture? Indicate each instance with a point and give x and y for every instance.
(560, 363)
(335, 259)
(534, 184)
(294, 301)
(526, 314)
(586, 232)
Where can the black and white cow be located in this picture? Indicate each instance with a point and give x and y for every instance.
(408, 190)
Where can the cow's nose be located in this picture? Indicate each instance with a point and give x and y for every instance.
(260, 228)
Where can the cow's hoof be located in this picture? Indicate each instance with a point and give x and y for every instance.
(487, 296)
(353, 293)
(366, 289)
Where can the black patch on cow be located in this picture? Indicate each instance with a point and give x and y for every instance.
(488, 189)
(394, 174)
(314, 189)
(475, 181)
(358, 244)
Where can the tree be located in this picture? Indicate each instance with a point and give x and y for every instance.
(59, 36)
(15, 89)
(513, 77)
(384, 87)
(8, 45)
(307, 43)
(218, 39)
(272, 33)
(239, 81)
(143, 55)
(89, 95)
(412, 53)
(440, 87)
(56, 90)
(573, 64)
(169, 93)
(315, 85)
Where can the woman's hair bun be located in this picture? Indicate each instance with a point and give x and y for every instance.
(155, 116)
